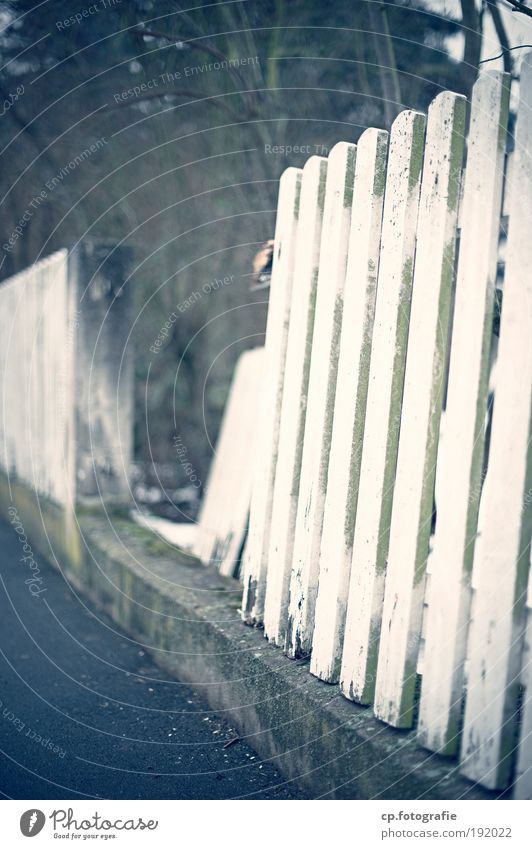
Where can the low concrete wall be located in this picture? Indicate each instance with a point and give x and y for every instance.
(51, 528)
(187, 617)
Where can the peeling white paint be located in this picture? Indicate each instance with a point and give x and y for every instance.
(256, 553)
(502, 552)
(420, 414)
(349, 404)
(294, 402)
(223, 518)
(383, 410)
(320, 400)
(460, 460)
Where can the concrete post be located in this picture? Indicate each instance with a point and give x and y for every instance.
(100, 314)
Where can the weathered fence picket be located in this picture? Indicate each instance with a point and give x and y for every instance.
(294, 403)
(461, 454)
(223, 520)
(213, 500)
(320, 398)
(421, 408)
(256, 551)
(383, 408)
(11, 434)
(58, 384)
(350, 404)
(502, 551)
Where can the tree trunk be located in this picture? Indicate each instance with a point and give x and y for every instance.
(391, 90)
(472, 28)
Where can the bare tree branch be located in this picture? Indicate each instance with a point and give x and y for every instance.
(207, 48)
(500, 55)
(472, 26)
(517, 6)
(501, 34)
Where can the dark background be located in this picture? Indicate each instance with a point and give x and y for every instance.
(181, 171)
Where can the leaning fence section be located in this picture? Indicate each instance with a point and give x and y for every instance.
(221, 527)
(461, 450)
(66, 373)
(36, 367)
(391, 517)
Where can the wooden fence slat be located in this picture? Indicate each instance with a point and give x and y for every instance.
(350, 404)
(213, 501)
(33, 308)
(4, 341)
(255, 560)
(73, 317)
(57, 329)
(461, 453)
(20, 350)
(421, 409)
(523, 784)
(383, 409)
(47, 423)
(20, 450)
(502, 552)
(238, 477)
(37, 472)
(320, 399)
(294, 403)
(17, 373)
(223, 520)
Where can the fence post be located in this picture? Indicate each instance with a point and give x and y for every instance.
(350, 404)
(256, 551)
(502, 552)
(36, 361)
(294, 403)
(320, 400)
(100, 314)
(383, 409)
(523, 784)
(459, 475)
(223, 519)
(426, 360)
(69, 363)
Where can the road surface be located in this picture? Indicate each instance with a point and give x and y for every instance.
(86, 713)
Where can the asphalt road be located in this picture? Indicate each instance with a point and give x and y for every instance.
(86, 713)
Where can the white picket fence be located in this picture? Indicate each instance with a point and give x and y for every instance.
(372, 482)
(380, 325)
